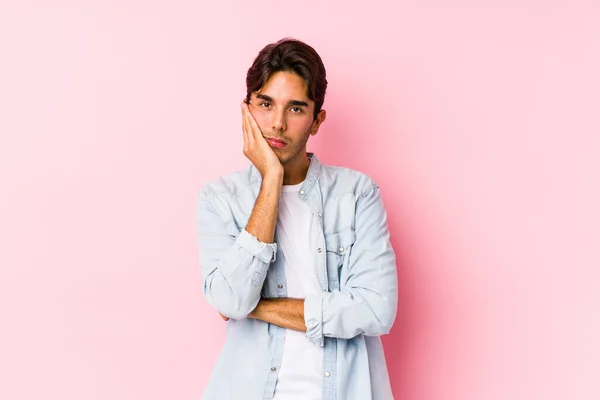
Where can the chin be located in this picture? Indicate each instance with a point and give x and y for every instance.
(284, 160)
(283, 156)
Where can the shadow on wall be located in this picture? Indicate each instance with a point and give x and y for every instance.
(350, 138)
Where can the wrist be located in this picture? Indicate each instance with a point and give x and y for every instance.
(254, 314)
(273, 178)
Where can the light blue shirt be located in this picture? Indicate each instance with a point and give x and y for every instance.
(356, 270)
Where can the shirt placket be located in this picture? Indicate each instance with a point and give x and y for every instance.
(279, 337)
(330, 344)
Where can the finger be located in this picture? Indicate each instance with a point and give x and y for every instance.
(245, 125)
(250, 131)
(254, 128)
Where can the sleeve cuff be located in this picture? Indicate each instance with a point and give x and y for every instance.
(266, 252)
(313, 319)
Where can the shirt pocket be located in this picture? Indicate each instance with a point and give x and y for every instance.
(338, 246)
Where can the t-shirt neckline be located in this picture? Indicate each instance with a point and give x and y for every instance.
(292, 188)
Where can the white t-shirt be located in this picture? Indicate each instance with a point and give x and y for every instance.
(301, 372)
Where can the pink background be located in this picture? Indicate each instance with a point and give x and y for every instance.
(479, 119)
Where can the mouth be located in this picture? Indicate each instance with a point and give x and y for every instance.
(275, 143)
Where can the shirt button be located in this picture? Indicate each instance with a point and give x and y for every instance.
(302, 192)
(273, 369)
(327, 374)
(320, 215)
(341, 249)
(280, 286)
(319, 250)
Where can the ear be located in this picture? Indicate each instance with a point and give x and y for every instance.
(321, 116)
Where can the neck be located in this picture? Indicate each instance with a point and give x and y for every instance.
(295, 170)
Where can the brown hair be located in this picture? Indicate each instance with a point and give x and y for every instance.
(289, 55)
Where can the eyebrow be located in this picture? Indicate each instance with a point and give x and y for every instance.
(290, 103)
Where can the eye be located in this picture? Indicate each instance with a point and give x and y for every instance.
(296, 110)
(264, 104)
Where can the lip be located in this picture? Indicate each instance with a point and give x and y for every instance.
(275, 143)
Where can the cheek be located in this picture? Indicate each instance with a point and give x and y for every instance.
(299, 126)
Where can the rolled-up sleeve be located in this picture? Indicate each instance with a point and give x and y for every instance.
(265, 252)
(233, 267)
(367, 300)
(313, 318)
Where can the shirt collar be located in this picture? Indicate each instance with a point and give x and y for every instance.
(312, 176)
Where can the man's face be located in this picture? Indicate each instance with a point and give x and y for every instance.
(284, 114)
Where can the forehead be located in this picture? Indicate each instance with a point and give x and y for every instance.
(283, 85)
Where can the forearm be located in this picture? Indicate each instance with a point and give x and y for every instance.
(263, 220)
(234, 267)
(285, 312)
(243, 288)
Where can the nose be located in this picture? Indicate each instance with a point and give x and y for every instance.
(278, 122)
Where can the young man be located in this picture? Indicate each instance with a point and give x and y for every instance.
(295, 254)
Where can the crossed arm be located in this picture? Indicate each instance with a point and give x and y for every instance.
(365, 303)
(285, 312)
